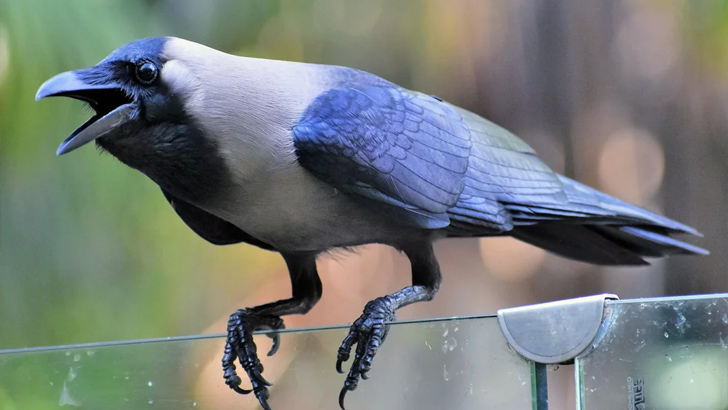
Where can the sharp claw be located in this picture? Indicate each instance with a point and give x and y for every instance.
(264, 403)
(240, 390)
(338, 366)
(364, 376)
(276, 344)
(342, 396)
(256, 374)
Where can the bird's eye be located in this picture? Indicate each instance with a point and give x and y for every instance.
(146, 72)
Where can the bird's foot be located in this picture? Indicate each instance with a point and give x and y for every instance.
(367, 333)
(240, 346)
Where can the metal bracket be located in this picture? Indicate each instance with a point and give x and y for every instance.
(554, 332)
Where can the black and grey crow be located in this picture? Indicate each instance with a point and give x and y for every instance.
(304, 158)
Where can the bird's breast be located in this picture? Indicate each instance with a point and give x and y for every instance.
(294, 211)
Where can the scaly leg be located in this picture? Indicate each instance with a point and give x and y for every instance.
(370, 330)
(306, 287)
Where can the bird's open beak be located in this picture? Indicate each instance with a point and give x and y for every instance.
(112, 105)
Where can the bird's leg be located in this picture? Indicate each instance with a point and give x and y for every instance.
(369, 331)
(239, 345)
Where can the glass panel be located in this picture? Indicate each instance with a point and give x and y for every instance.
(669, 353)
(441, 364)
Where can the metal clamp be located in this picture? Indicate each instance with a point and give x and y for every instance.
(554, 332)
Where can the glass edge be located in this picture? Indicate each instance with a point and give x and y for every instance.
(677, 298)
(579, 381)
(222, 335)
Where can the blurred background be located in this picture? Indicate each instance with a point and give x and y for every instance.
(630, 97)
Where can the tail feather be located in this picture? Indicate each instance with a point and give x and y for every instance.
(620, 210)
(597, 228)
(656, 243)
(577, 242)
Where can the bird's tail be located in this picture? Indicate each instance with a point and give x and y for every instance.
(617, 234)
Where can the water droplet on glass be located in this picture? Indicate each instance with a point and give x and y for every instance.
(72, 373)
(66, 398)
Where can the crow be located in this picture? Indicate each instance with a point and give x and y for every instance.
(304, 158)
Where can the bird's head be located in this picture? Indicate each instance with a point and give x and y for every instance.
(191, 118)
(128, 91)
(141, 96)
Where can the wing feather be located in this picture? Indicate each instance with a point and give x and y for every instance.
(388, 144)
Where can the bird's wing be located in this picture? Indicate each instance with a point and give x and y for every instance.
(504, 168)
(502, 171)
(444, 166)
(387, 144)
(506, 183)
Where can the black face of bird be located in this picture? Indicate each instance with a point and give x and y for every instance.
(138, 118)
(124, 90)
